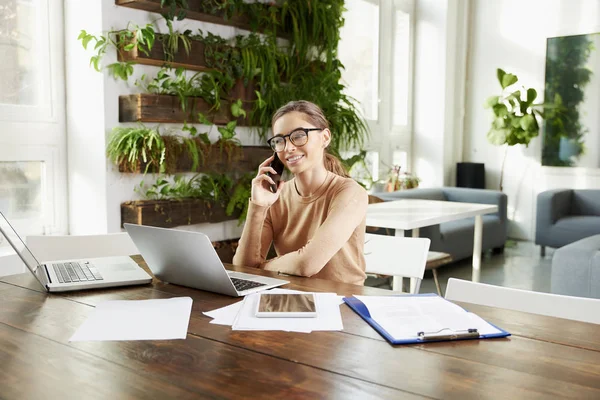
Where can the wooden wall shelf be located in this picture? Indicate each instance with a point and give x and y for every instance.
(167, 109)
(239, 159)
(195, 60)
(163, 108)
(171, 213)
(193, 12)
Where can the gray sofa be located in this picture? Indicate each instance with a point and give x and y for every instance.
(456, 237)
(576, 268)
(565, 216)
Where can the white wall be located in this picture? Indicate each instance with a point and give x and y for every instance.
(511, 34)
(440, 54)
(96, 187)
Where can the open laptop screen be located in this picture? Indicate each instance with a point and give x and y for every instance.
(21, 249)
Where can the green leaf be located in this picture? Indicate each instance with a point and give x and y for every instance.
(497, 136)
(531, 95)
(508, 80)
(500, 110)
(203, 120)
(86, 40)
(82, 34)
(527, 121)
(491, 101)
(204, 137)
(231, 125)
(500, 74)
(129, 47)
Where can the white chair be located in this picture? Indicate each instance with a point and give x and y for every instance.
(553, 305)
(48, 248)
(397, 256)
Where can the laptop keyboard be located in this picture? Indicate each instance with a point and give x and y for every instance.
(242, 284)
(76, 272)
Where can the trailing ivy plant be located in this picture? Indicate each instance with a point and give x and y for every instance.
(123, 40)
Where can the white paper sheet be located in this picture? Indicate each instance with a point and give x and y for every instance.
(225, 315)
(404, 316)
(157, 319)
(328, 316)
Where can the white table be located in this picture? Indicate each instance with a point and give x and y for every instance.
(412, 214)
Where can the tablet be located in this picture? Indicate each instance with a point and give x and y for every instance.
(286, 305)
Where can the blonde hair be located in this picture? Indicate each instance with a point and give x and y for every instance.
(315, 116)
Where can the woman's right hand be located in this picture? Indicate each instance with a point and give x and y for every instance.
(261, 185)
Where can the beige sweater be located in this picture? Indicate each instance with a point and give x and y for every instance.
(321, 235)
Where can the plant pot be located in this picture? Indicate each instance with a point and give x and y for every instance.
(213, 159)
(170, 213)
(195, 60)
(194, 11)
(164, 108)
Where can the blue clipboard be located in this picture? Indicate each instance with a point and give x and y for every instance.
(361, 309)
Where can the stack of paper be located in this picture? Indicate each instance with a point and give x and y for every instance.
(241, 315)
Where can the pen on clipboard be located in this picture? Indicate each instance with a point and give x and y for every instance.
(466, 334)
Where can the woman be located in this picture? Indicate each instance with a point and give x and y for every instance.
(316, 221)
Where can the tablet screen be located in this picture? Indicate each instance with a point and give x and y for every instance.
(287, 303)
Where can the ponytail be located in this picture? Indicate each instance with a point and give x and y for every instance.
(333, 164)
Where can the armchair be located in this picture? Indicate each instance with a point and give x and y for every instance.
(565, 216)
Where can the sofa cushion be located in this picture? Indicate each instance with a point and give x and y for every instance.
(576, 227)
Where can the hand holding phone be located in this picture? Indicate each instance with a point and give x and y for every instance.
(278, 166)
(265, 192)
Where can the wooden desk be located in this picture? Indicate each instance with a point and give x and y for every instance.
(546, 357)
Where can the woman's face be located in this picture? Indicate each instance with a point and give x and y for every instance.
(301, 158)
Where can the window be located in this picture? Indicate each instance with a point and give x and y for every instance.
(376, 48)
(33, 193)
(359, 52)
(24, 70)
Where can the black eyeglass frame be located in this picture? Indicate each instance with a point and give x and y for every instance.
(289, 136)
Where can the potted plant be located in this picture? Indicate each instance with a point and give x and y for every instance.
(515, 115)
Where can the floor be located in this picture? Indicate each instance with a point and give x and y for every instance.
(520, 267)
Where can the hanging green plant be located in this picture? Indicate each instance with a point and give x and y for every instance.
(134, 36)
(127, 146)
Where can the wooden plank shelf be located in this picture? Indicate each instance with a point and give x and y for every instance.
(195, 60)
(194, 11)
(163, 108)
(240, 159)
(171, 213)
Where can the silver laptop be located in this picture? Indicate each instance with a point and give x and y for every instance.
(68, 275)
(189, 259)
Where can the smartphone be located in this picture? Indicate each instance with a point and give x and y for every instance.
(277, 165)
(286, 305)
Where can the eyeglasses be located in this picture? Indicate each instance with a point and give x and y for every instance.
(298, 137)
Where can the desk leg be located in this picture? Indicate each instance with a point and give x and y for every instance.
(477, 248)
(397, 280)
(414, 282)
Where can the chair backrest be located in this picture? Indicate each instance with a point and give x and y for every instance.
(48, 248)
(553, 305)
(396, 255)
